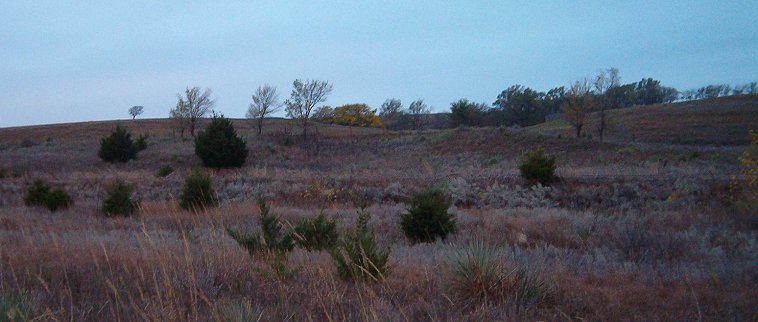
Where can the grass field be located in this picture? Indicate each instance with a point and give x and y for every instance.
(633, 230)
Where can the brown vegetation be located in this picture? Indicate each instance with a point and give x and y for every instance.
(626, 231)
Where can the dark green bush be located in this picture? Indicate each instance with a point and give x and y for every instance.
(198, 192)
(37, 193)
(41, 194)
(218, 146)
(271, 237)
(119, 201)
(119, 147)
(538, 167)
(358, 256)
(141, 143)
(316, 233)
(427, 217)
(164, 171)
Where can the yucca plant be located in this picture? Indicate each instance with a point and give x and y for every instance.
(358, 256)
(478, 275)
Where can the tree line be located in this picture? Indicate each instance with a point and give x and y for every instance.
(516, 105)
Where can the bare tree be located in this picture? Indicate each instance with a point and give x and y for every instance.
(578, 104)
(604, 81)
(135, 110)
(303, 100)
(418, 109)
(390, 111)
(265, 102)
(194, 105)
(180, 117)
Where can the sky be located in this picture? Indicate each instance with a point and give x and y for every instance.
(75, 61)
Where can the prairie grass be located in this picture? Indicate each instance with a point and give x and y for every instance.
(625, 232)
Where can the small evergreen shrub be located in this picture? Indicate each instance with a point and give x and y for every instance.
(164, 171)
(538, 167)
(119, 147)
(427, 217)
(358, 256)
(271, 237)
(119, 201)
(198, 192)
(141, 143)
(316, 233)
(218, 146)
(58, 199)
(41, 194)
(37, 193)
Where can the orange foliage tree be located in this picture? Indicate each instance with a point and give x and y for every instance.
(356, 115)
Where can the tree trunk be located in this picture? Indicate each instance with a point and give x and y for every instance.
(305, 130)
(602, 123)
(578, 131)
(192, 127)
(260, 126)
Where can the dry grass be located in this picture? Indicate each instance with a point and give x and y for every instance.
(629, 232)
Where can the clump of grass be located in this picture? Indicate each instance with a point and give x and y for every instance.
(317, 233)
(15, 307)
(119, 201)
(241, 310)
(358, 256)
(538, 167)
(164, 171)
(427, 217)
(271, 237)
(41, 194)
(478, 276)
(198, 192)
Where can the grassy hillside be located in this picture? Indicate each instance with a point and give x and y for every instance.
(627, 232)
(719, 121)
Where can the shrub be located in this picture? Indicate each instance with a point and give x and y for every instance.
(316, 233)
(528, 288)
(358, 256)
(241, 310)
(427, 217)
(41, 194)
(37, 193)
(119, 147)
(164, 171)
(538, 167)
(198, 192)
(58, 199)
(218, 146)
(477, 276)
(119, 201)
(141, 143)
(271, 237)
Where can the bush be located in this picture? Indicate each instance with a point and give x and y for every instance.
(119, 147)
(358, 256)
(197, 192)
(119, 202)
(427, 217)
(164, 171)
(37, 193)
(271, 237)
(40, 194)
(218, 146)
(538, 167)
(141, 143)
(316, 233)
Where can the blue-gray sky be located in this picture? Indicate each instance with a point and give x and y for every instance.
(68, 61)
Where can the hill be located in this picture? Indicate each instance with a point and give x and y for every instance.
(719, 121)
(628, 231)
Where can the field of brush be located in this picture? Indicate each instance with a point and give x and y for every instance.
(632, 230)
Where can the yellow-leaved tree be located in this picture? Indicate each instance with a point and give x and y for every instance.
(356, 115)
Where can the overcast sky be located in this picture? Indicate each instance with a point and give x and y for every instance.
(67, 61)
